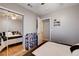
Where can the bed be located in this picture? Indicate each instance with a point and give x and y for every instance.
(56, 49)
(52, 49)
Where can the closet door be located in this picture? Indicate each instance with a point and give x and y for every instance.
(3, 29)
(15, 34)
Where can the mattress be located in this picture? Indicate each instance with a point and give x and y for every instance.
(52, 49)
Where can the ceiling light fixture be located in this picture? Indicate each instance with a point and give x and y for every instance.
(13, 18)
(42, 3)
(29, 4)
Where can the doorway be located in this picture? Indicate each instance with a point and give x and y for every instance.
(46, 28)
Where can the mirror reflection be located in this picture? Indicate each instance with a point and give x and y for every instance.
(11, 33)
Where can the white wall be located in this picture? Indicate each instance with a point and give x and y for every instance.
(68, 31)
(29, 17)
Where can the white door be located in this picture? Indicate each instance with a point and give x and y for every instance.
(40, 31)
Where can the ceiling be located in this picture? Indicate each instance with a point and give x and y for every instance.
(45, 8)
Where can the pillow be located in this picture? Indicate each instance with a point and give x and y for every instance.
(74, 47)
(0, 34)
(8, 33)
(75, 52)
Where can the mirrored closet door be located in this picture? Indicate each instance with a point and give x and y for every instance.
(3, 29)
(15, 33)
(11, 28)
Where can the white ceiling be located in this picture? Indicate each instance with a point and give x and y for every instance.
(46, 8)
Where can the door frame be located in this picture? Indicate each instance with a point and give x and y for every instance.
(50, 18)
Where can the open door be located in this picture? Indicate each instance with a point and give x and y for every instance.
(40, 31)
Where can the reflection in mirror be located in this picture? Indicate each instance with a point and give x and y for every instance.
(11, 33)
(3, 28)
(15, 33)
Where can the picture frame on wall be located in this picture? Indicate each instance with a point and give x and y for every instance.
(56, 22)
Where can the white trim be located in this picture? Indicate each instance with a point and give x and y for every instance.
(11, 10)
(50, 29)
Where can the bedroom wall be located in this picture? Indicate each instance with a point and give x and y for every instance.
(68, 31)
